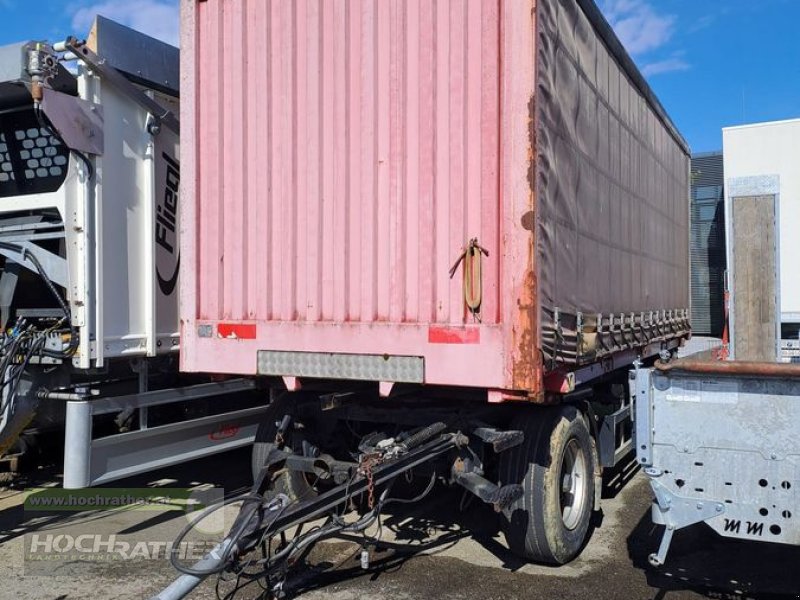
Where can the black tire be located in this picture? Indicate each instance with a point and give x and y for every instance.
(292, 483)
(548, 524)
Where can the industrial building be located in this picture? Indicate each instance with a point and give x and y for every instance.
(707, 241)
(762, 207)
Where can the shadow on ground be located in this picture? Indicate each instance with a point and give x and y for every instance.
(416, 534)
(419, 533)
(708, 564)
(16, 522)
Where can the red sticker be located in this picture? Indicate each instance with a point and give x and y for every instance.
(224, 433)
(454, 335)
(237, 331)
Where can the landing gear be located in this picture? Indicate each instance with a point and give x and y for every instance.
(555, 466)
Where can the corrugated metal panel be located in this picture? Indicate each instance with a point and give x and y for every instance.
(350, 150)
(342, 155)
(708, 244)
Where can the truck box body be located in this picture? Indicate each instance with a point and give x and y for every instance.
(107, 256)
(340, 156)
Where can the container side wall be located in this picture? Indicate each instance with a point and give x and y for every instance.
(613, 193)
(761, 160)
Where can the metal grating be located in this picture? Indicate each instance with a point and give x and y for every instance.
(40, 153)
(6, 167)
(32, 160)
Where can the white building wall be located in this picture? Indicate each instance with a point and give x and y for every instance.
(767, 155)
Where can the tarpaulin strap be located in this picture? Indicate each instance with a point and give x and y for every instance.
(472, 281)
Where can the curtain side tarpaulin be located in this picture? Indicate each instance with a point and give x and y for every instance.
(612, 196)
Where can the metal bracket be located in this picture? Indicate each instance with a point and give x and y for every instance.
(610, 452)
(78, 122)
(89, 462)
(8, 285)
(161, 115)
(500, 440)
(676, 512)
(643, 431)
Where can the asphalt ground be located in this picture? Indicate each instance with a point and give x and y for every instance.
(439, 549)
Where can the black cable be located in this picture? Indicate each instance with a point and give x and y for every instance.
(417, 498)
(73, 339)
(333, 527)
(18, 377)
(234, 537)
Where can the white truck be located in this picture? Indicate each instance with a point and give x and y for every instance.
(89, 182)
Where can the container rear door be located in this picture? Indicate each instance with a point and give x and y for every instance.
(343, 155)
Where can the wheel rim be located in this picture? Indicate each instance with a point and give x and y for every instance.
(573, 484)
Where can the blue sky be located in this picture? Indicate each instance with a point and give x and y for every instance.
(713, 63)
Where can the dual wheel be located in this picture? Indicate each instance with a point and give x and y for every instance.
(555, 466)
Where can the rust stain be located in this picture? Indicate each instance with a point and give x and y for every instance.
(526, 361)
(523, 374)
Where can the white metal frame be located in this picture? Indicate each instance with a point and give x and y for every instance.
(739, 187)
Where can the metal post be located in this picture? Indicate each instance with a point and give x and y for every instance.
(184, 584)
(144, 386)
(78, 445)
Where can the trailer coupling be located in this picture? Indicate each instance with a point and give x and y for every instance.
(265, 516)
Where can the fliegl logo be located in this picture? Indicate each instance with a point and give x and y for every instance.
(168, 260)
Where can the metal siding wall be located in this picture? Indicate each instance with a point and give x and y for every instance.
(346, 152)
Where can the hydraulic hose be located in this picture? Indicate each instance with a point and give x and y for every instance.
(73, 338)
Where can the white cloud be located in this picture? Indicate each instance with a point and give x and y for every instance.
(639, 26)
(157, 18)
(665, 66)
(702, 23)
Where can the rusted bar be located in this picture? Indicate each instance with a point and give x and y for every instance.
(761, 369)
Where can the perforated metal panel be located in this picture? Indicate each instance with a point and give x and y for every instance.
(32, 160)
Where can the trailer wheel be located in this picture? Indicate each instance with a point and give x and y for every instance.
(292, 483)
(555, 466)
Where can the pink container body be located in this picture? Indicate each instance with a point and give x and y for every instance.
(338, 156)
(343, 153)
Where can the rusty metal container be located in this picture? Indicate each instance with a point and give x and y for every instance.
(338, 158)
